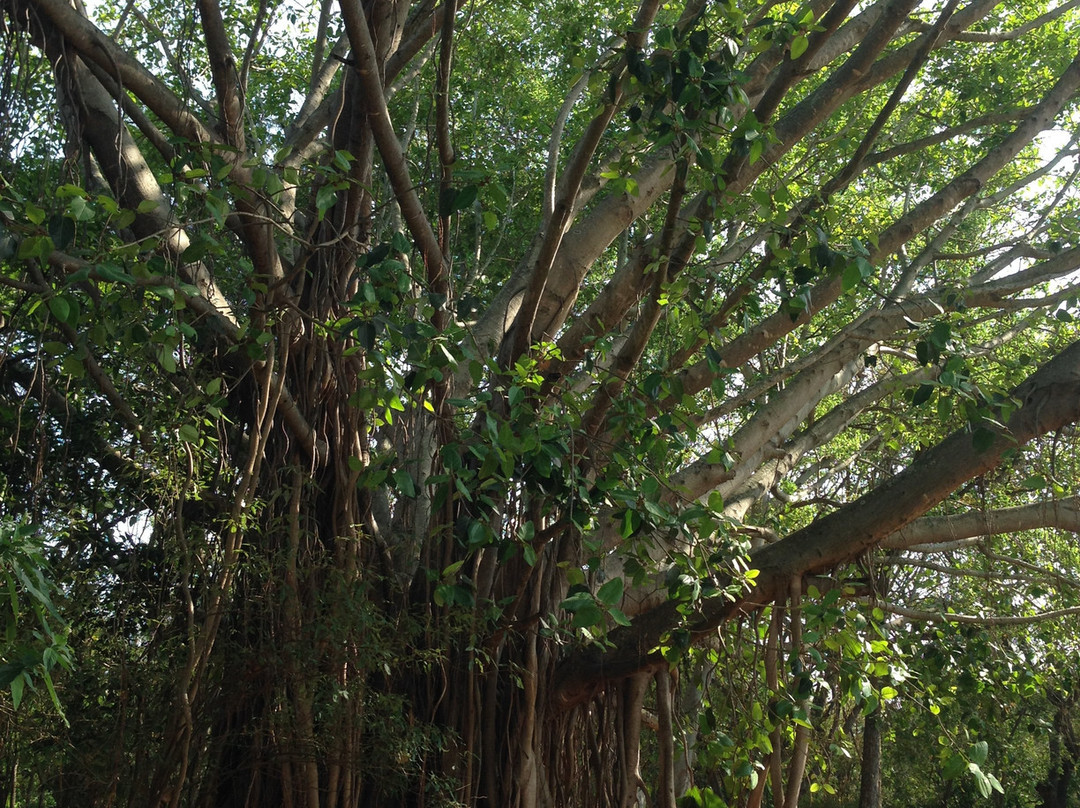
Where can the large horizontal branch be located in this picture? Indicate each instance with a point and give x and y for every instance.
(1050, 398)
(761, 448)
(1062, 514)
(944, 618)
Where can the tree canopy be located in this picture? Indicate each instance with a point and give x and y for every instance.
(539, 404)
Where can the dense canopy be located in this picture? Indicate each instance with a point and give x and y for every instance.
(557, 403)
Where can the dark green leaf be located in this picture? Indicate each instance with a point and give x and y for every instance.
(922, 394)
(699, 42)
(978, 752)
(611, 592)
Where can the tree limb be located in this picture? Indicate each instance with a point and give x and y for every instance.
(1051, 399)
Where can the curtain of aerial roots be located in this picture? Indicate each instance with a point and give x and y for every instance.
(594, 751)
(284, 622)
(508, 746)
(253, 725)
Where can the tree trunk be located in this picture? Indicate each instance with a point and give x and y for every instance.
(1056, 787)
(870, 772)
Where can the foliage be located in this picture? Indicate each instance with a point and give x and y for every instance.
(29, 653)
(689, 388)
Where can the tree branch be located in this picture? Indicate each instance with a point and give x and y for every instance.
(1051, 399)
(1062, 514)
(367, 71)
(946, 618)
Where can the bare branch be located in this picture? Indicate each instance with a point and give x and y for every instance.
(1015, 33)
(97, 47)
(223, 68)
(946, 618)
(521, 332)
(1062, 514)
(367, 71)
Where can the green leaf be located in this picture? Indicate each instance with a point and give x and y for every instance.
(189, 433)
(699, 42)
(465, 197)
(17, 685)
(940, 334)
(922, 394)
(60, 308)
(578, 600)
(611, 592)
(35, 247)
(872, 702)
(756, 150)
(479, 535)
(954, 766)
(325, 198)
(978, 752)
(983, 438)
(404, 484)
(442, 594)
(10, 671)
(453, 595)
(35, 214)
(852, 276)
(587, 616)
(700, 798)
(452, 569)
(79, 209)
(342, 159)
(166, 359)
(73, 367)
(799, 45)
(112, 274)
